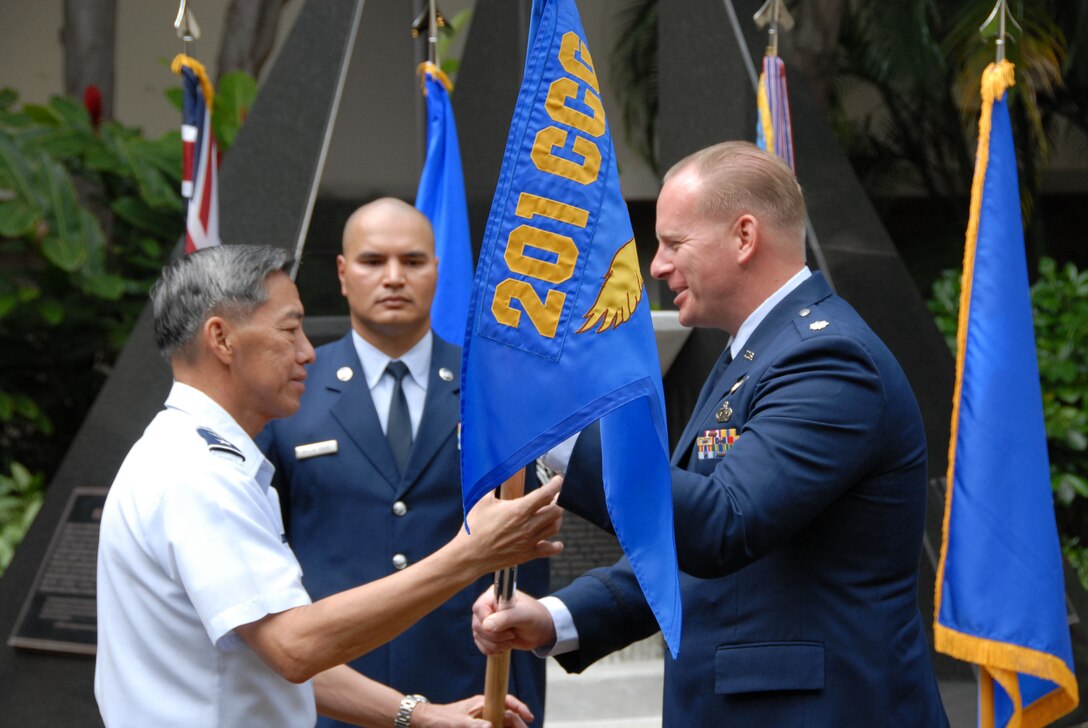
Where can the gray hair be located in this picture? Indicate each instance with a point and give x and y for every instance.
(738, 177)
(225, 280)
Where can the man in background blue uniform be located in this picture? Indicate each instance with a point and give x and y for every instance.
(799, 487)
(368, 469)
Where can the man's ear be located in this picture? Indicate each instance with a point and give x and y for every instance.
(341, 269)
(746, 230)
(216, 333)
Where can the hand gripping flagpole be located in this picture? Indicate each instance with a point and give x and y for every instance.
(497, 676)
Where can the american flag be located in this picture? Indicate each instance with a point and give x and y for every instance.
(199, 176)
(773, 132)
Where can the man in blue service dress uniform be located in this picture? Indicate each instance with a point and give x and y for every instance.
(799, 487)
(353, 512)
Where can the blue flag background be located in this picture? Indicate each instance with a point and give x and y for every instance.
(441, 197)
(560, 336)
(1000, 586)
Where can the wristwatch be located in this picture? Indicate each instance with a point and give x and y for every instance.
(407, 704)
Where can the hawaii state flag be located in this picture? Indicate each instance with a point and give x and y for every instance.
(441, 197)
(1000, 600)
(199, 175)
(560, 334)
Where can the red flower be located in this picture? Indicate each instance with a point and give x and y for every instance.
(92, 101)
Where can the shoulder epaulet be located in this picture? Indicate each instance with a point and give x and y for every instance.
(809, 320)
(215, 442)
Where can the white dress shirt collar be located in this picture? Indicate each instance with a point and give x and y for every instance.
(374, 362)
(736, 344)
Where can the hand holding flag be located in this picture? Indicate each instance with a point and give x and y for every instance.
(559, 334)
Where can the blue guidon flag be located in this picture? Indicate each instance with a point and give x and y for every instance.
(441, 197)
(1000, 595)
(560, 334)
(200, 162)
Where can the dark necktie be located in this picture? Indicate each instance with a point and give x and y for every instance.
(398, 429)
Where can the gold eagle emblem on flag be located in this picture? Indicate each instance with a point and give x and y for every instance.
(620, 292)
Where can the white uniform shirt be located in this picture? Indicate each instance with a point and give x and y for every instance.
(191, 546)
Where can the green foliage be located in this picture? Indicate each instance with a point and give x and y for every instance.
(20, 499)
(86, 218)
(916, 66)
(1060, 305)
(233, 100)
(634, 75)
(454, 26)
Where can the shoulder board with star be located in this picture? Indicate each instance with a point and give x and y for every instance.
(215, 442)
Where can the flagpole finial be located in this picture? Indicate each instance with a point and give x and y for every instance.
(430, 20)
(995, 27)
(773, 14)
(188, 30)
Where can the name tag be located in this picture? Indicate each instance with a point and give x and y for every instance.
(313, 449)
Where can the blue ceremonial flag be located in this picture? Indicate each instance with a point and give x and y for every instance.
(1000, 596)
(441, 197)
(560, 334)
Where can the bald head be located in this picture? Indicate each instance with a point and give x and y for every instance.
(380, 216)
(739, 178)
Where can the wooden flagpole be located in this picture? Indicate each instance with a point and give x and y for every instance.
(497, 675)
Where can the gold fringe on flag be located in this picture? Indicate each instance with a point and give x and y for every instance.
(427, 68)
(183, 61)
(998, 661)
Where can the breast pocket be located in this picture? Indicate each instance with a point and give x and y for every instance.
(768, 666)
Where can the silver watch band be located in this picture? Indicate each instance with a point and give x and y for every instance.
(404, 714)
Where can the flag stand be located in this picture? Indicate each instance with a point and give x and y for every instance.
(497, 675)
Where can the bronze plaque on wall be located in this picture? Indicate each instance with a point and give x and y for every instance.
(59, 612)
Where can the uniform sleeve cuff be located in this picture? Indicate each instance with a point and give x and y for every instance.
(566, 634)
